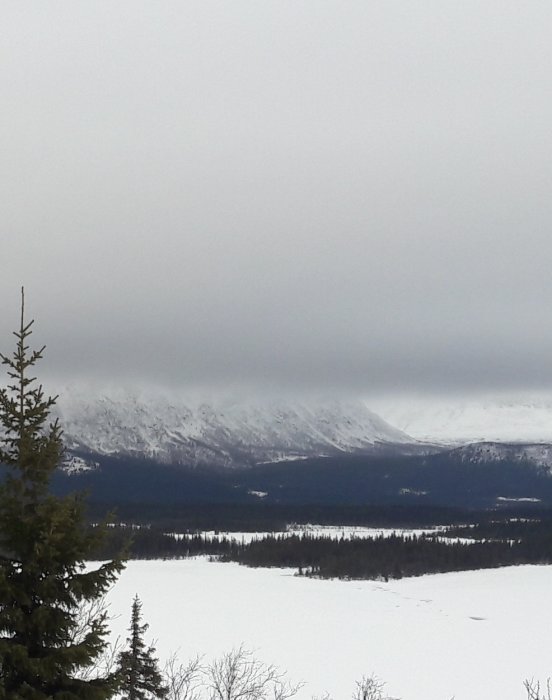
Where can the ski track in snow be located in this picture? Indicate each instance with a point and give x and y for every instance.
(471, 635)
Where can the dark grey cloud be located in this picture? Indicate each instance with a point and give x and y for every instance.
(347, 196)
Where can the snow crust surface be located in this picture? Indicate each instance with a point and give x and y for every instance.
(471, 635)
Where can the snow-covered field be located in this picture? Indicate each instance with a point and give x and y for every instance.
(471, 635)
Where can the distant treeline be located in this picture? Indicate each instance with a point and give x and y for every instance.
(529, 528)
(273, 517)
(322, 556)
(152, 543)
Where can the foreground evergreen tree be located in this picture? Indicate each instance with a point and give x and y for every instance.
(140, 675)
(44, 650)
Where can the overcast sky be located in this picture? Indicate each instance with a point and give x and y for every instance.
(349, 196)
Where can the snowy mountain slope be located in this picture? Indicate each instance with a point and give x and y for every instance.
(526, 419)
(481, 452)
(218, 432)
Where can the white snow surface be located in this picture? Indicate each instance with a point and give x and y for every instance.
(73, 464)
(223, 431)
(515, 418)
(471, 635)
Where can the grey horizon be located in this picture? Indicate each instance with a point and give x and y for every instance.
(297, 197)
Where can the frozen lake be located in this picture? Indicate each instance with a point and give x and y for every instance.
(469, 635)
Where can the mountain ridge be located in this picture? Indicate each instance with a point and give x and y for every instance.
(222, 432)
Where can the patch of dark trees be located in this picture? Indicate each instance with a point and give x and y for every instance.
(152, 543)
(534, 527)
(388, 557)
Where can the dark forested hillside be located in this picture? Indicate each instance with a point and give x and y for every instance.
(444, 479)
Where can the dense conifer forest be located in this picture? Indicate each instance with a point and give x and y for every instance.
(387, 557)
(442, 479)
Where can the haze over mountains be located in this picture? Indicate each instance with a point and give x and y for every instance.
(515, 418)
(233, 431)
(221, 431)
(130, 445)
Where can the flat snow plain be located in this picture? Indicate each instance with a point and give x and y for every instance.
(471, 635)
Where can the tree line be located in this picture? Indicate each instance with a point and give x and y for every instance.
(386, 557)
(274, 517)
(382, 557)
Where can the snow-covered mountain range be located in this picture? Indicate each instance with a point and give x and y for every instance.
(228, 431)
(124, 443)
(539, 454)
(174, 428)
(513, 419)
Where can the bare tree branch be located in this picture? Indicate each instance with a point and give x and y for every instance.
(88, 614)
(239, 676)
(534, 691)
(184, 681)
(370, 688)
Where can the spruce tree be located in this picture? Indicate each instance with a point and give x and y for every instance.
(44, 544)
(140, 675)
